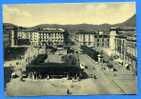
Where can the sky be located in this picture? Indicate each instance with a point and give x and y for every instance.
(68, 13)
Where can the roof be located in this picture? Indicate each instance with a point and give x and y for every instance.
(123, 28)
(93, 32)
(86, 32)
(41, 30)
(126, 34)
(127, 28)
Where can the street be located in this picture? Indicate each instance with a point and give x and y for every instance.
(104, 84)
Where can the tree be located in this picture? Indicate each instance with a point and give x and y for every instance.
(71, 59)
(66, 37)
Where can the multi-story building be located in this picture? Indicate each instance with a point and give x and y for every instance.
(120, 46)
(41, 37)
(119, 41)
(6, 36)
(86, 38)
(125, 47)
(23, 36)
(131, 53)
(113, 33)
(102, 39)
(10, 35)
(93, 38)
(51, 36)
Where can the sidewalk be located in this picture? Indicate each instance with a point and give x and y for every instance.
(106, 82)
(126, 81)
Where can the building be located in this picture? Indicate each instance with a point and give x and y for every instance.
(9, 33)
(51, 37)
(131, 53)
(125, 47)
(102, 39)
(6, 36)
(40, 37)
(120, 46)
(113, 32)
(120, 42)
(23, 37)
(93, 38)
(85, 38)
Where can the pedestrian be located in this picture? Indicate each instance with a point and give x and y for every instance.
(95, 77)
(68, 92)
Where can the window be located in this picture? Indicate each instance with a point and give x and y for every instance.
(49, 34)
(97, 44)
(102, 39)
(103, 44)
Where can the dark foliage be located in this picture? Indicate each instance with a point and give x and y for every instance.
(14, 53)
(91, 52)
(39, 59)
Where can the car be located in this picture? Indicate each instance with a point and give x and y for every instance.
(95, 77)
(82, 66)
(14, 75)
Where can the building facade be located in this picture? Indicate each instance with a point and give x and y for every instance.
(10, 35)
(120, 47)
(52, 37)
(93, 39)
(41, 37)
(125, 47)
(119, 41)
(113, 33)
(131, 53)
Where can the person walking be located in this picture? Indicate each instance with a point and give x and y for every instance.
(68, 91)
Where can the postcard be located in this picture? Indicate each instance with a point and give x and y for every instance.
(70, 49)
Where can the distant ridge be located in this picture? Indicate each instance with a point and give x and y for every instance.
(131, 22)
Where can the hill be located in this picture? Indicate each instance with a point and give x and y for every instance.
(131, 22)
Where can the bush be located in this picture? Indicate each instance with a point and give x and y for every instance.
(109, 65)
(91, 52)
(14, 53)
(114, 56)
(39, 59)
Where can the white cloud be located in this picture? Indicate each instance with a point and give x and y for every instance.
(12, 13)
(91, 13)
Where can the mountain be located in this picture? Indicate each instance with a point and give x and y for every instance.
(8, 26)
(77, 27)
(131, 22)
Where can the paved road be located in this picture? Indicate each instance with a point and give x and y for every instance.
(90, 86)
(103, 83)
(124, 82)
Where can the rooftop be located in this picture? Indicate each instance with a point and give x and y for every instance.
(94, 32)
(42, 30)
(123, 28)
